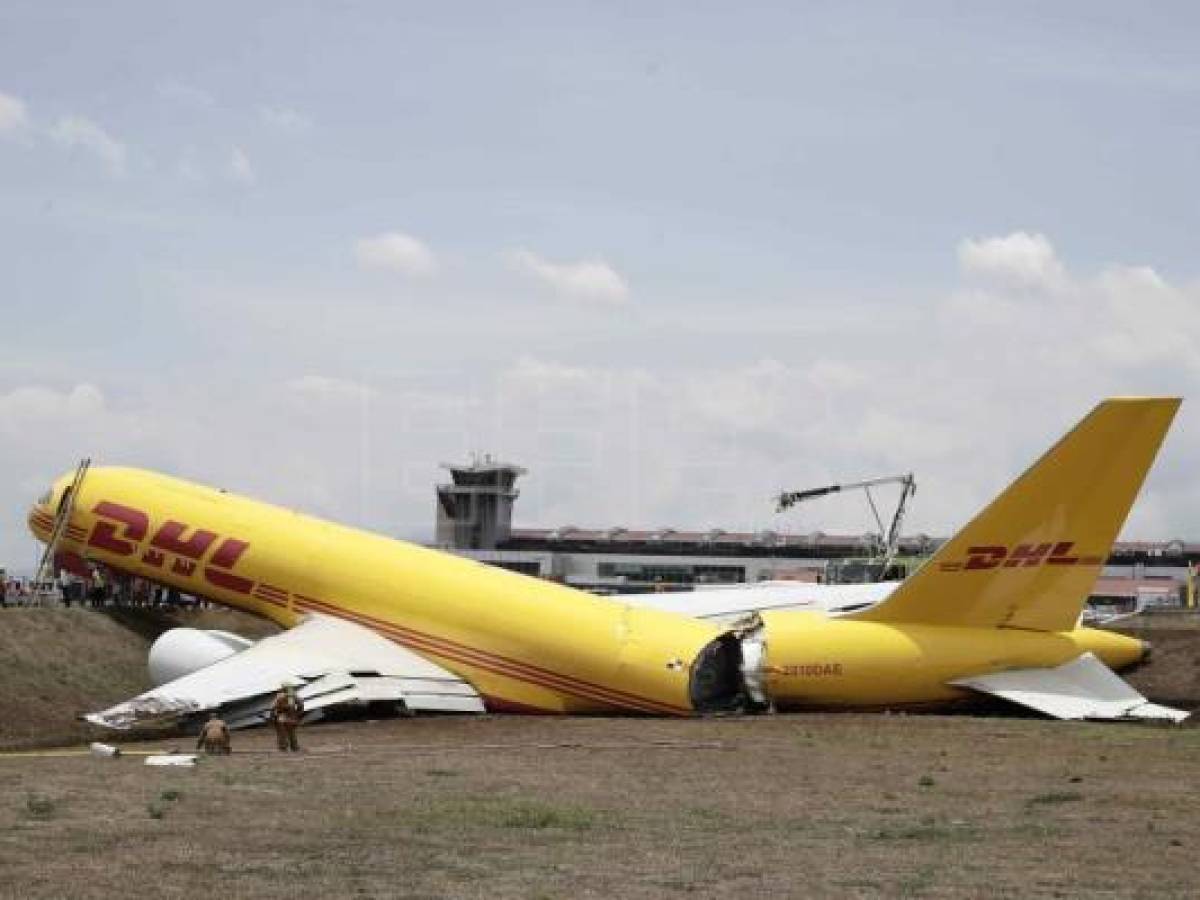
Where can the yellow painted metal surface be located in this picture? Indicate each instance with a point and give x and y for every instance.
(1004, 593)
(1031, 557)
(522, 642)
(813, 661)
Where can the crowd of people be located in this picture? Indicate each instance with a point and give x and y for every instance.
(98, 589)
(20, 592)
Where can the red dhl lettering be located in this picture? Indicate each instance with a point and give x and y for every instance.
(183, 567)
(985, 557)
(169, 537)
(121, 530)
(1022, 556)
(1026, 555)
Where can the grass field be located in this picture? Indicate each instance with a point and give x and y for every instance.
(793, 806)
(497, 807)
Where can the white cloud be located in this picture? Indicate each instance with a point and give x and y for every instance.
(587, 280)
(77, 132)
(1123, 319)
(614, 432)
(396, 251)
(185, 94)
(542, 374)
(240, 169)
(31, 406)
(189, 170)
(981, 310)
(1019, 258)
(1144, 321)
(14, 119)
(966, 393)
(746, 397)
(832, 374)
(326, 388)
(285, 119)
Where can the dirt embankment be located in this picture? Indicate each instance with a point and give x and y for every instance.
(58, 663)
(1172, 674)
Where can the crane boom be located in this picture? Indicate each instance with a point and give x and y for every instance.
(889, 538)
(788, 499)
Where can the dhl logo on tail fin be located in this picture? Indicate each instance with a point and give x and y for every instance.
(1024, 555)
(1031, 557)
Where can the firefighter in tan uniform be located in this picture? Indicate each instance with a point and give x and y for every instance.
(214, 736)
(286, 713)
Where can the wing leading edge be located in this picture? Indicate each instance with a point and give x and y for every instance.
(334, 662)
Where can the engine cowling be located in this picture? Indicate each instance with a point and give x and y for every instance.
(181, 651)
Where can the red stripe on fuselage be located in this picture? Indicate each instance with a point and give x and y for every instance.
(501, 665)
(530, 672)
(490, 664)
(267, 598)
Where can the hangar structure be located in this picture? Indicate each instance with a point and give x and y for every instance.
(475, 520)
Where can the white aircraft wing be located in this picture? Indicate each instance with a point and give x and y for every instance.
(332, 661)
(1083, 688)
(729, 603)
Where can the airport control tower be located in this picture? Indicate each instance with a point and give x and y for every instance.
(475, 511)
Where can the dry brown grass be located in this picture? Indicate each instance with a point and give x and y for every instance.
(850, 805)
(496, 807)
(58, 663)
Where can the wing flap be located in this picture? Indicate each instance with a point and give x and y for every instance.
(1083, 688)
(336, 662)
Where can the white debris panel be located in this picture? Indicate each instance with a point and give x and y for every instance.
(1083, 688)
(171, 759)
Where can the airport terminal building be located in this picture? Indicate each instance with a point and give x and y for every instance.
(475, 515)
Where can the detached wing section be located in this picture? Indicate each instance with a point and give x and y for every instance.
(334, 663)
(1084, 688)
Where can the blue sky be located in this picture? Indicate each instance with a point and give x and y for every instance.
(669, 256)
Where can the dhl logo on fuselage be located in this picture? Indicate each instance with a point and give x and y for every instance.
(1023, 556)
(122, 531)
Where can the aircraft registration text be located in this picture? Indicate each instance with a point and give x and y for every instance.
(809, 670)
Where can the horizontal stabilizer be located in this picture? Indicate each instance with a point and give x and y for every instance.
(1084, 688)
(335, 663)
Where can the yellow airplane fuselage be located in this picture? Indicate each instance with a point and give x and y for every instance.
(523, 643)
(814, 661)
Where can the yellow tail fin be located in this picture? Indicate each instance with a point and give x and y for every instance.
(1030, 558)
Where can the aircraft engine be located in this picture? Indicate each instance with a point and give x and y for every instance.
(181, 651)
